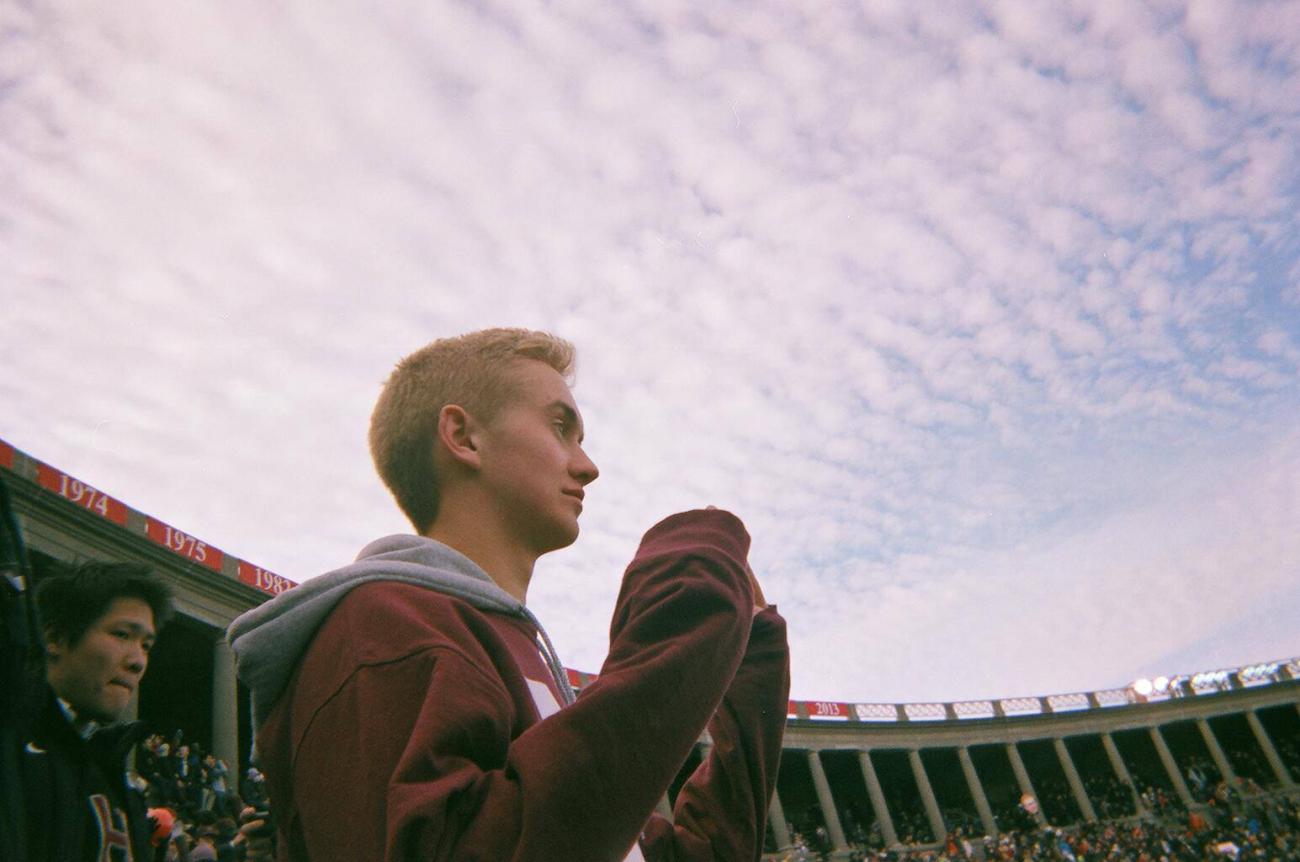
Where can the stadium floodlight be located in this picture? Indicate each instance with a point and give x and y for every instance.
(1161, 684)
(1142, 687)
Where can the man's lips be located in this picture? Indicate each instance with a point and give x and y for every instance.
(129, 686)
(578, 495)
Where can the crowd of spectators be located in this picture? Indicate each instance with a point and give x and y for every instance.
(1236, 819)
(1111, 798)
(194, 794)
(808, 834)
(1263, 827)
(913, 827)
(1159, 800)
(1249, 764)
(1057, 800)
(1258, 827)
(194, 800)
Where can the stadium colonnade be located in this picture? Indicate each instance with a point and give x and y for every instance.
(914, 773)
(890, 774)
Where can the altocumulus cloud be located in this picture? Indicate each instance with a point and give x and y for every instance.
(983, 315)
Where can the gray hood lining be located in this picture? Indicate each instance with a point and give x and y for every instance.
(270, 639)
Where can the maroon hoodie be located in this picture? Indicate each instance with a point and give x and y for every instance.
(420, 727)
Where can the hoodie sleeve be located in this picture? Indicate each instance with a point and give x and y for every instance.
(721, 811)
(581, 784)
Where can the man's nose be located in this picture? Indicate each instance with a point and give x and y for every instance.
(585, 470)
(137, 659)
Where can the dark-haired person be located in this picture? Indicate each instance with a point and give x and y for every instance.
(411, 707)
(99, 622)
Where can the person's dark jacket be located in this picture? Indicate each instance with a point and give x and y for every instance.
(77, 802)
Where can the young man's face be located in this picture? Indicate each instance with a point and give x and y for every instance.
(533, 461)
(99, 673)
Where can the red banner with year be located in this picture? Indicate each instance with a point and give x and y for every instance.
(184, 544)
(80, 493)
(825, 709)
(267, 582)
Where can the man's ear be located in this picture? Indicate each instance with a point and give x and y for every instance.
(54, 644)
(458, 434)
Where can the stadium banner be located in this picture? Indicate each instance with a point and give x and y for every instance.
(6, 455)
(792, 709)
(259, 578)
(821, 709)
(80, 493)
(183, 544)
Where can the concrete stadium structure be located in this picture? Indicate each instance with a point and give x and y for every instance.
(910, 773)
(945, 764)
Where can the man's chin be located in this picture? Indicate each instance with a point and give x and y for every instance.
(111, 709)
(558, 540)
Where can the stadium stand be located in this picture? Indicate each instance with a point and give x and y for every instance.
(1182, 767)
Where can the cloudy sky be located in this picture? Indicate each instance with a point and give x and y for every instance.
(984, 316)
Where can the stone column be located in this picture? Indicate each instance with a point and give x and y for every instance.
(1171, 767)
(1076, 783)
(1121, 769)
(225, 710)
(1212, 743)
(827, 801)
(1022, 778)
(781, 829)
(927, 795)
(1270, 753)
(877, 794)
(977, 792)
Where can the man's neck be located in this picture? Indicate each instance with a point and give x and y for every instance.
(509, 566)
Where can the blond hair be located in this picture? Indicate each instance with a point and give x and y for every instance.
(469, 371)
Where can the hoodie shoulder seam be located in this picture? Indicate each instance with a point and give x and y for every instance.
(423, 649)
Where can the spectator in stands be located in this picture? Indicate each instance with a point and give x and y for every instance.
(164, 775)
(193, 780)
(205, 845)
(822, 843)
(422, 721)
(227, 832)
(1198, 778)
(799, 851)
(254, 789)
(99, 622)
(215, 787)
(256, 838)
